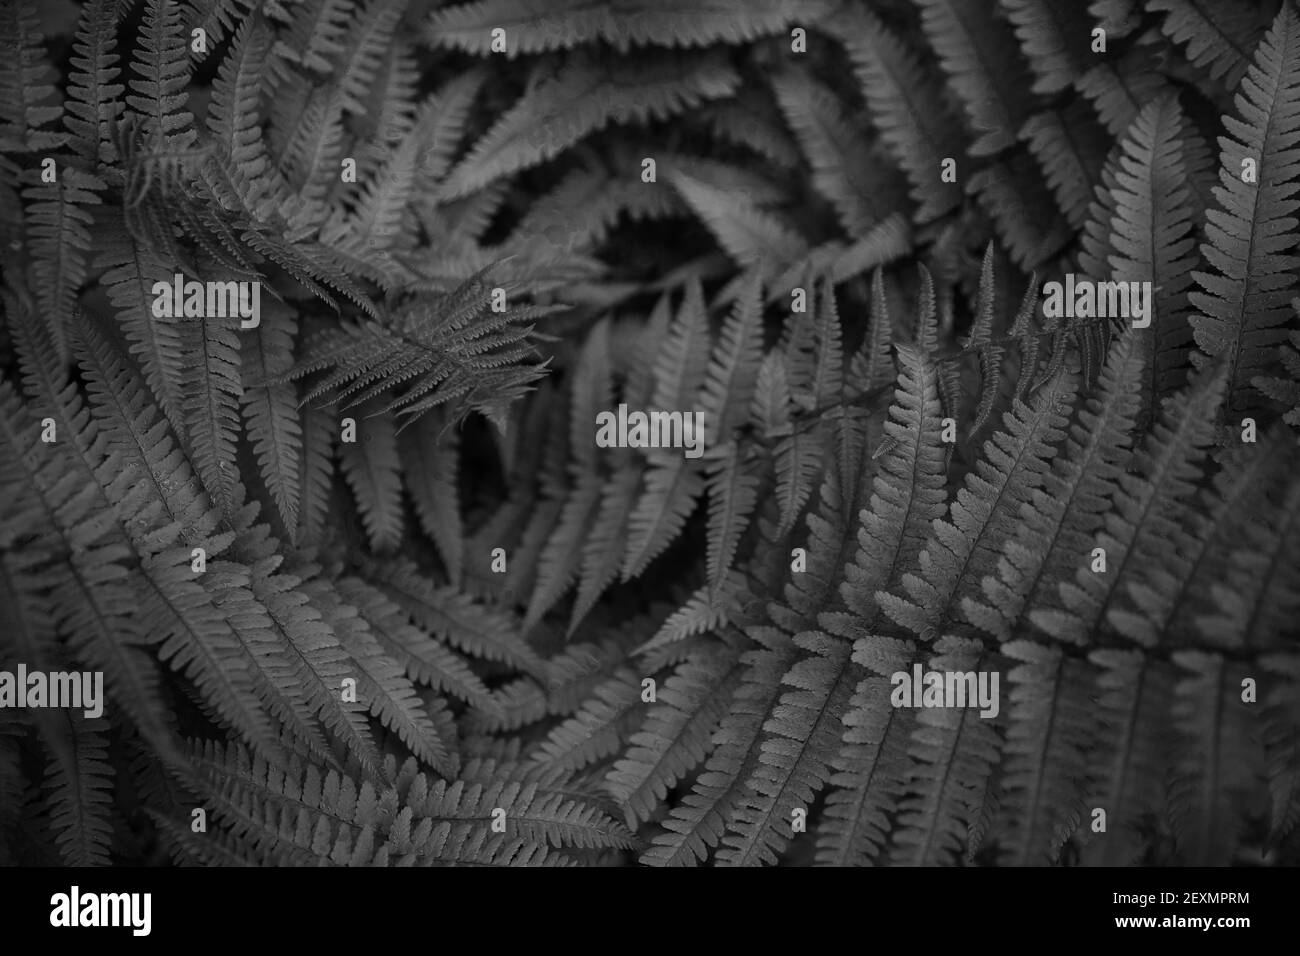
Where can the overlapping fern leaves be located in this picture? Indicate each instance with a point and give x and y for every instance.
(363, 587)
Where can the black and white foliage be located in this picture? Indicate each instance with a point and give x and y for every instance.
(363, 586)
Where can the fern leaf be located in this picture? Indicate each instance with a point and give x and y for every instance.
(194, 632)
(425, 659)
(161, 68)
(749, 234)
(1145, 510)
(1246, 298)
(954, 751)
(1153, 239)
(1053, 35)
(131, 271)
(607, 541)
(1220, 42)
(381, 682)
(697, 824)
(315, 34)
(907, 496)
(365, 48)
(584, 98)
(1070, 507)
(211, 405)
(1013, 193)
(60, 242)
(676, 734)
(1208, 771)
(982, 66)
(534, 26)
(1118, 89)
(1129, 764)
(1048, 736)
(430, 464)
(966, 546)
(25, 82)
(906, 108)
(94, 95)
(456, 618)
(1282, 747)
(233, 116)
(861, 193)
(372, 470)
(1066, 145)
(270, 412)
(79, 779)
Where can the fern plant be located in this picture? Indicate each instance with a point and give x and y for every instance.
(365, 589)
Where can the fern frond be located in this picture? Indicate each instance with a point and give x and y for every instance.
(1054, 36)
(25, 82)
(211, 405)
(455, 617)
(131, 271)
(1258, 591)
(158, 92)
(1221, 42)
(1048, 736)
(163, 505)
(270, 411)
(381, 681)
(54, 493)
(1209, 773)
(1144, 512)
(430, 353)
(366, 44)
(749, 234)
(1285, 390)
(79, 780)
(697, 824)
(1069, 148)
(371, 468)
(535, 26)
(907, 496)
(1154, 242)
(303, 816)
(1128, 766)
(425, 659)
(986, 512)
(676, 735)
(583, 98)
(906, 107)
(233, 113)
(595, 731)
(862, 193)
(752, 121)
(982, 66)
(314, 34)
(1252, 235)
(1013, 193)
(1282, 746)
(430, 466)
(954, 753)
(59, 232)
(94, 93)
(1070, 507)
(1119, 88)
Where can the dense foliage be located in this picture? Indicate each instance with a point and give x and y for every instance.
(365, 589)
